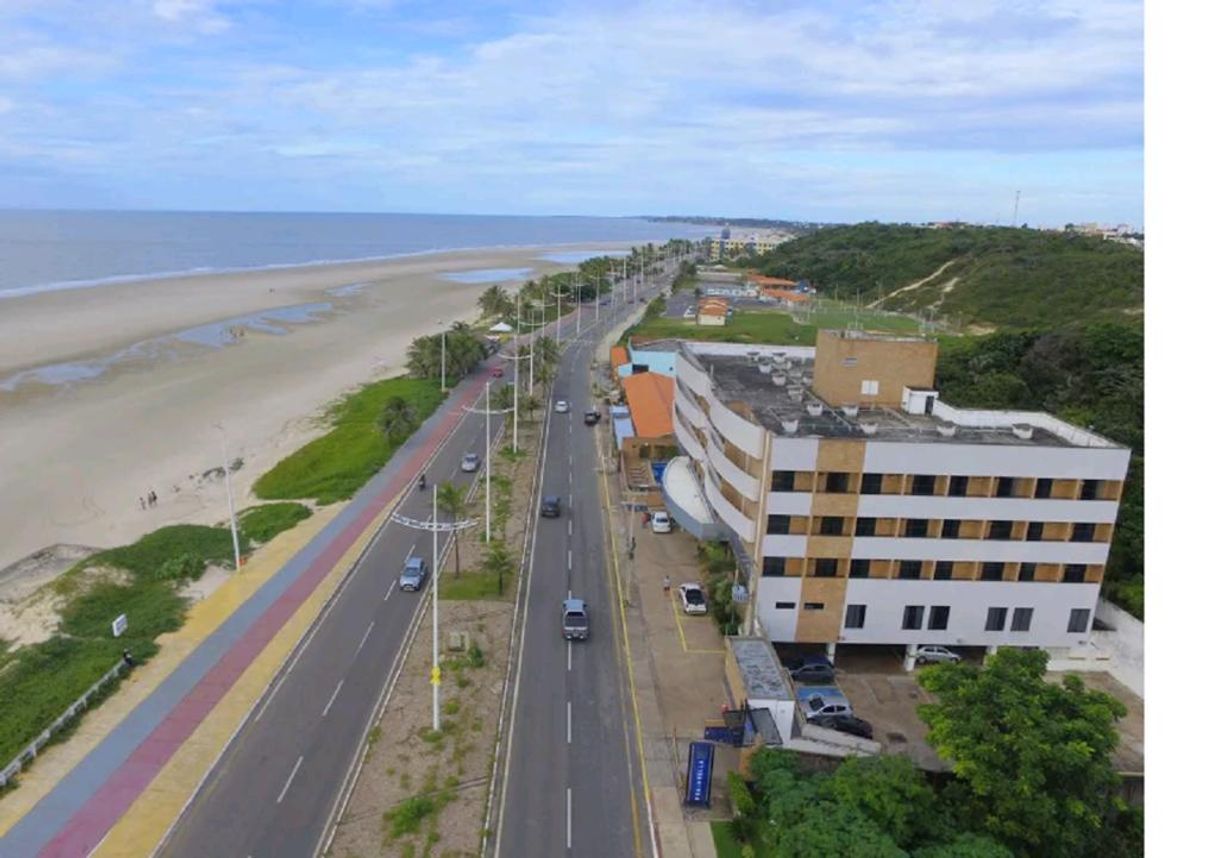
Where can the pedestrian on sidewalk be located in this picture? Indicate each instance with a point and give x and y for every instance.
(667, 585)
(143, 505)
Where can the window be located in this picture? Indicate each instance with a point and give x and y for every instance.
(1027, 571)
(911, 569)
(860, 568)
(1075, 573)
(913, 617)
(871, 387)
(957, 487)
(814, 606)
(951, 528)
(771, 566)
(923, 484)
(837, 482)
(873, 484)
(832, 525)
(1005, 488)
(1090, 490)
(1084, 531)
(1021, 619)
(864, 527)
(1000, 530)
(938, 617)
(826, 567)
(778, 524)
(1036, 531)
(995, 619)
(943, 570)
(850, 361)
(784, 606)
(1044, 487)
(991, 571)
(916, 527)
(1080, 621)
(782, 481)
(856, 615)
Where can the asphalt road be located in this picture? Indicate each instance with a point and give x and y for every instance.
(572, 784)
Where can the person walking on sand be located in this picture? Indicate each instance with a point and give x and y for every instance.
(667, 585)
(143, 505)
(152, 498)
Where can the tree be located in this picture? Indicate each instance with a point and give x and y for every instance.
(530, 403)
(495, 302)
(396, 420)
(458, 351)
(451, 500)
(501, 397)
(891, 792)
(966, 845)
(497, 561)
(1035, 756)
(547, 350)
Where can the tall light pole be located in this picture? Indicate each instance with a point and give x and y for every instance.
(443, 360)
(228, 489)
(436, 527)
(488, 411)
(516, 359)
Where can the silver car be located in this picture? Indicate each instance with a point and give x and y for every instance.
(934, 655)
(470, 462)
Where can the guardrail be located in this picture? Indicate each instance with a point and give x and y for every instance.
(18, 764)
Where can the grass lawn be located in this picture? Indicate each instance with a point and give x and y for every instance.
(727, 846)
(770, 326)
(263, 523)
(333, 467)
(474, 585)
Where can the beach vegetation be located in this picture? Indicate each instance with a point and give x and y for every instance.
(396, 420)
(336, 465)
(262, 523)
(495, 303)
(457, 353)
(451, 500)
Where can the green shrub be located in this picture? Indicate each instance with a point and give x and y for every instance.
(261, 524)
(180, 567)
(475, 656)
(408, 816)
(742, 799)
(146, 556)
(152, 609)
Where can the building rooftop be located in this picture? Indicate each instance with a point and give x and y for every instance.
(650, 397)
(763, 676)
(618, 356)
(747, 383)
(667, 344)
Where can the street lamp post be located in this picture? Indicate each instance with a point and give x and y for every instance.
(516, 359)
(436, 527)
(488, 411)
(443, 360)
(228, 489)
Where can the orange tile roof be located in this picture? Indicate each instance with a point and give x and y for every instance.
(762, 280)
(713, 307)
(618, 357)
(650, 397)
(785, 294)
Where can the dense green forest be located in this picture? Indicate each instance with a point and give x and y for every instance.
(993, 276)
(1090, 375)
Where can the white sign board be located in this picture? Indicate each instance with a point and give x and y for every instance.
(119, 625)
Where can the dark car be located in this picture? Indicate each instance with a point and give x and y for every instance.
(845, 724)
(812, 669)
(551, 506)
(591, 418)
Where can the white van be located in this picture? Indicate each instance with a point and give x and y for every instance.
(661, 523)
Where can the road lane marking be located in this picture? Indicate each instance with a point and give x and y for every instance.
(333, 696)
(284, 791)
(568, 817)
(568, 656)
(364, 639)
(568, 559)
(568, 722)
(569, 527)
(389, 592)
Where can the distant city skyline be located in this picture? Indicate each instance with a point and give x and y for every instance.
(833, 112)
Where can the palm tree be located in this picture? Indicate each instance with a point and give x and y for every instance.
(547, 351)
(501, 398)
(530, 404)
(396, 420)
(494, 302)
(545, 374)
(451, 500)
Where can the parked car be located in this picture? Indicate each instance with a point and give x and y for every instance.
(561, 406)
(497, 372)
(693, 600)
(817, 706)
(661, 523)
(934, 655)
(414, 574)
(574, 620)
(813, 669)
(591, 418)
(470, 462)
(551, 506)
(844, 724)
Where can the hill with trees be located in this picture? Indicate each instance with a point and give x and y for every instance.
(991, 276)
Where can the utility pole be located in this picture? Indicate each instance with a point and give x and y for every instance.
(488, 411)
(443, 360)
(228, 489)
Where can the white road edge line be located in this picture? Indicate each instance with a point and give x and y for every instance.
(333, 697)
(284, 791)
(364, 639)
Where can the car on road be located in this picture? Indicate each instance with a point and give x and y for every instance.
(689, 313)
(414, 574)
(693, 600)
(574, 620)
(934, 655)
(845, 724)
(551, 506)
(813, 669)
(591, 418)
(561, 406)
(470, 462)
(661, 523)
(497, 372)
(818, 706)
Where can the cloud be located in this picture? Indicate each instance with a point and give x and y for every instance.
(201, 15)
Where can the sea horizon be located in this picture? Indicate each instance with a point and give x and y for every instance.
(48, 250)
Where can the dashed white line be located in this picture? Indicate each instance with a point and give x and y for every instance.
(568, 559)
(333, 696)
(300, 760)
(568, 722)
(569, 527)
(364, 639)
(389, 592)
(568, 817)
(568, 650)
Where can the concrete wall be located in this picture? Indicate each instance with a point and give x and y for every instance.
(1124, 643)
(844, 363)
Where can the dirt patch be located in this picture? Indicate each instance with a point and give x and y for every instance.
(21, 579)
(208, 583)
(34, 617)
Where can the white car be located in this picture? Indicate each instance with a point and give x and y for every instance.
(815, 707)
(934, 655)
(693, 600)
(561, 406)
(470, 462)
(661, 523)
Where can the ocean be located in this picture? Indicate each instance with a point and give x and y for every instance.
(48, 250)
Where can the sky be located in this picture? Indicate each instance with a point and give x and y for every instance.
(836, 110)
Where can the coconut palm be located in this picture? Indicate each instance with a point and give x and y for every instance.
(396, 420)
(501, 398)
(451, 500)
(495, 302)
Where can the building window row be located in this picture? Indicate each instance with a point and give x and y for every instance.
(937, 570)
(950, 528)
(929, 485)
(916, 618)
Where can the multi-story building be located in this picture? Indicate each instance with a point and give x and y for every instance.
(865, 510)
(726, 247)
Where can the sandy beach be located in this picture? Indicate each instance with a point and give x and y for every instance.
(75, 459)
